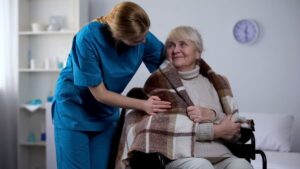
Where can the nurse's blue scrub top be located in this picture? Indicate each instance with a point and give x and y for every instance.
(93, 59)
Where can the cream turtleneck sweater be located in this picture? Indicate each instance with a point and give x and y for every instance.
(203, 94)
(200, 90)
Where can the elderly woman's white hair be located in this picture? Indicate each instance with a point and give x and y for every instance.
(186, 33)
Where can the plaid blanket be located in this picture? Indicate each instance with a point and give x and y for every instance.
(171, 133)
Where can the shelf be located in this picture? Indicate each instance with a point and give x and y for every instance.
(35, 110)
(41, 55)
(37, 144)
(39, 70)
(67, 32)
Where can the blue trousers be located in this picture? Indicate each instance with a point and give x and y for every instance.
(83, 149)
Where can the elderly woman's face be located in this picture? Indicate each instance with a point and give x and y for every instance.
(182, 54)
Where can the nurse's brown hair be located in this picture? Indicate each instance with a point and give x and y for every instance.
(127, 20)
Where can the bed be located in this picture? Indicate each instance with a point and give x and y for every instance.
(277, 135)
(279, 160)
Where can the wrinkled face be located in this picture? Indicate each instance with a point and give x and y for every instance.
(183, 54)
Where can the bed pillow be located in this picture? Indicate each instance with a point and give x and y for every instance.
(273, 131)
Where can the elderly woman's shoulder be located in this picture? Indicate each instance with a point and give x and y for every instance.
(155, 76)
(156, 81)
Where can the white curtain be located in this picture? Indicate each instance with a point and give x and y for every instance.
(8, 84)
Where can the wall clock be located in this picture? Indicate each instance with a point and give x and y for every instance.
(246, 31)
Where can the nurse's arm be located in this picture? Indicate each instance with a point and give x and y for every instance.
(150, 106)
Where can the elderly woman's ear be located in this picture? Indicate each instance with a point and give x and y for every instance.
(198, 57)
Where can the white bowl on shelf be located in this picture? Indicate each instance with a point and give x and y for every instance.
(37, 27)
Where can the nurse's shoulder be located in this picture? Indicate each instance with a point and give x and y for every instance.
(91, 29)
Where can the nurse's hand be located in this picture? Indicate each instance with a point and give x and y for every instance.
(155, 105)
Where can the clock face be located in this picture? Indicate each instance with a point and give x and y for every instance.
(246, 31)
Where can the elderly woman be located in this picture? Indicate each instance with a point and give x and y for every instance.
(203, 116)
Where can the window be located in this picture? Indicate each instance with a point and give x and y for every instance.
(3, 15)
(5, 39)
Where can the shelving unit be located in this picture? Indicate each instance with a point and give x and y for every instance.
(47, 33)
(41, 54)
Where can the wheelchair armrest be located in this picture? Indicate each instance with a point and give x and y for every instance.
(242, 148)
(137, 93)
(141, 160)
(246, 135)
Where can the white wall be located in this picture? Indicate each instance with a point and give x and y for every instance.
(265, 76)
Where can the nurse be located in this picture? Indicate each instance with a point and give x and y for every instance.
(105, 55)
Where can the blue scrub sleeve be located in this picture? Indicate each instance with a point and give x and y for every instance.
(154, 52)
(86, 64)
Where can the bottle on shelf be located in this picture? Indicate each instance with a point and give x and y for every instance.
(43, 133)
(60, 63)
(50, 97)
(31, 137)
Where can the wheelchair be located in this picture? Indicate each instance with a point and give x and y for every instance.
(244, 148)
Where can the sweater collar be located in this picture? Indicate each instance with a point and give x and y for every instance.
(188, 75)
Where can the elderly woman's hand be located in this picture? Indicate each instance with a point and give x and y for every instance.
(155, 105)
(227, 129)
(200, 114)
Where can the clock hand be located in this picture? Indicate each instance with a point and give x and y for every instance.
(246, 30)
(246, 33)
